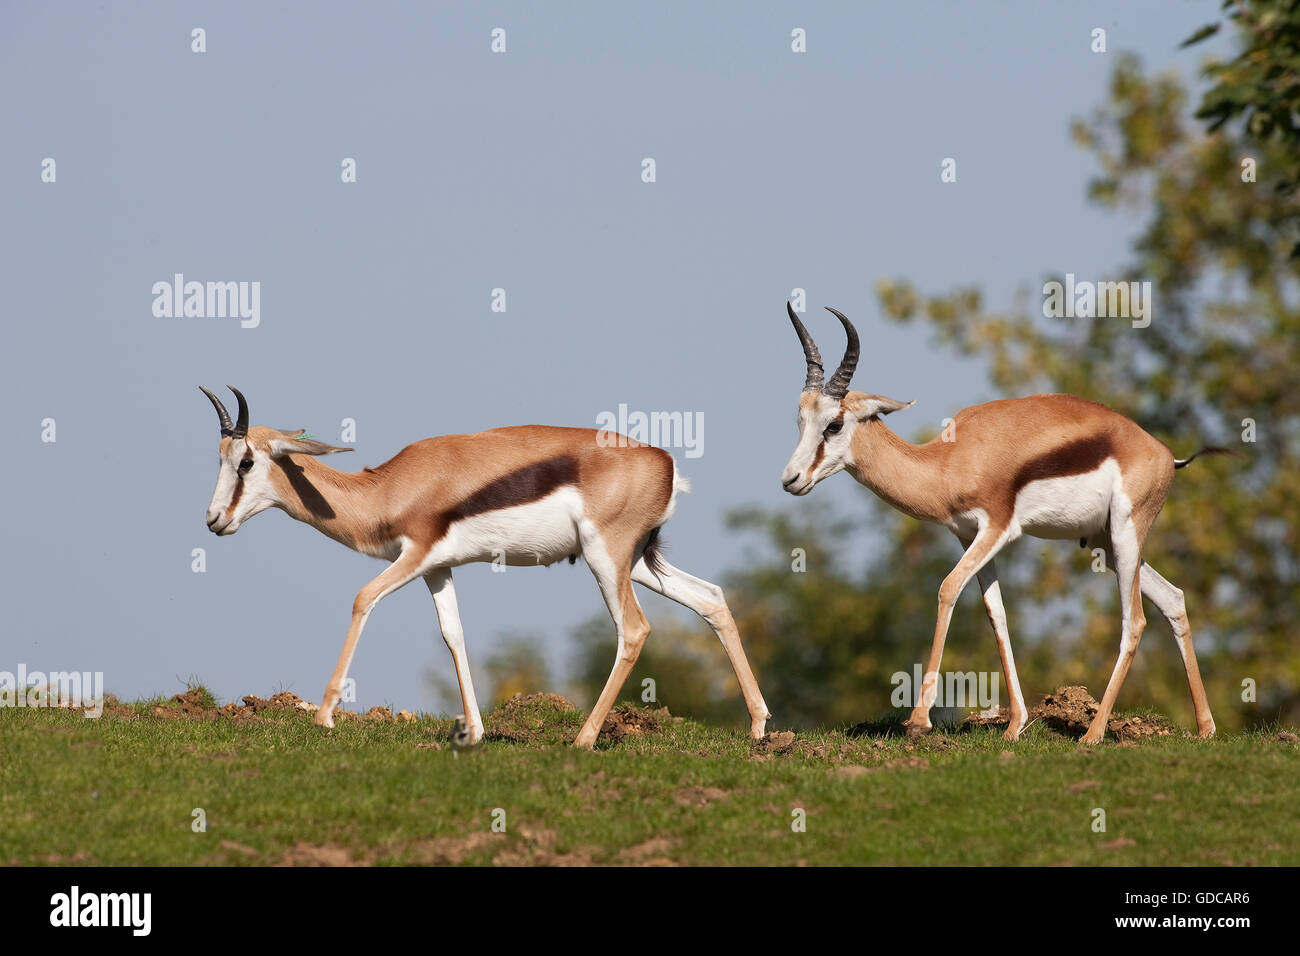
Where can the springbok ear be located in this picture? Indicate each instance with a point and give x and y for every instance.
(869, 406)
(300, 444)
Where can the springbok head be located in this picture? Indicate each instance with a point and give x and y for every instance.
(249, 478)
(828, 412)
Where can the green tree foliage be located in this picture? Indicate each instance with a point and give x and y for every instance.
(1260, 87)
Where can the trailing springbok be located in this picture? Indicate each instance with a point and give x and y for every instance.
(526, 496)
(1050, 466)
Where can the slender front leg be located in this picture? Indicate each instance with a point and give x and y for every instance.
(1019, 714)
(986, 544)
(402, 571)
(708, 601)
(444, 599)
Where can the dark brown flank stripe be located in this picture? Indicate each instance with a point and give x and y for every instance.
(528, 484)
(1076, 458)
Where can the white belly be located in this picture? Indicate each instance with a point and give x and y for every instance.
(1071, 507)
(541, 532)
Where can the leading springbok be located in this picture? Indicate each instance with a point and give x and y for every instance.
(1050, 466)
(526, 496)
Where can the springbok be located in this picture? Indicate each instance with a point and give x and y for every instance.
(524, 496)
(1050, 466)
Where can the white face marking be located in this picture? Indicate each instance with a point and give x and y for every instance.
(825, 428)
(249, 488)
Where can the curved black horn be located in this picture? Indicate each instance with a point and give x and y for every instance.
(241, 420)
(227, 426)
(816, 371)
(839, 383)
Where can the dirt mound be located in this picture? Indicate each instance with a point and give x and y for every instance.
(628, 720)
(194, 704)
(530, 718)
(281, 703)
(197, 703)
(1070, 710)
(1067, 709)
(776, 742)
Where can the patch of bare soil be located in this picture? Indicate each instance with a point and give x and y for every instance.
(1140, 727)
(629, 720)
(1069, 710)
(453, 850)
(240, 848)
(598, 790)
(535, 846)
(307, 854)
(653, 852)
(699, 796)
(852, 771)
(1119, 843)
(528, 718)
(981, 718)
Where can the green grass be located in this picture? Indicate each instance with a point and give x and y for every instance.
(121, 792)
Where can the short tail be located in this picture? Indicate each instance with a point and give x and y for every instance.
(1207, 450)
(653, 554)
(653, 551)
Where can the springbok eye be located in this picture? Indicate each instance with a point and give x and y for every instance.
(834, 428)
(246, 464)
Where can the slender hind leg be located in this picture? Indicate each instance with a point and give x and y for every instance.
(1126, 548)
(613, 577)
(1172, 605)
(708, 601)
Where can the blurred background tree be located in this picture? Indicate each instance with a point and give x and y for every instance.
(1217, 365)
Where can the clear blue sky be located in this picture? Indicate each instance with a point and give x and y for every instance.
(775, 170)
